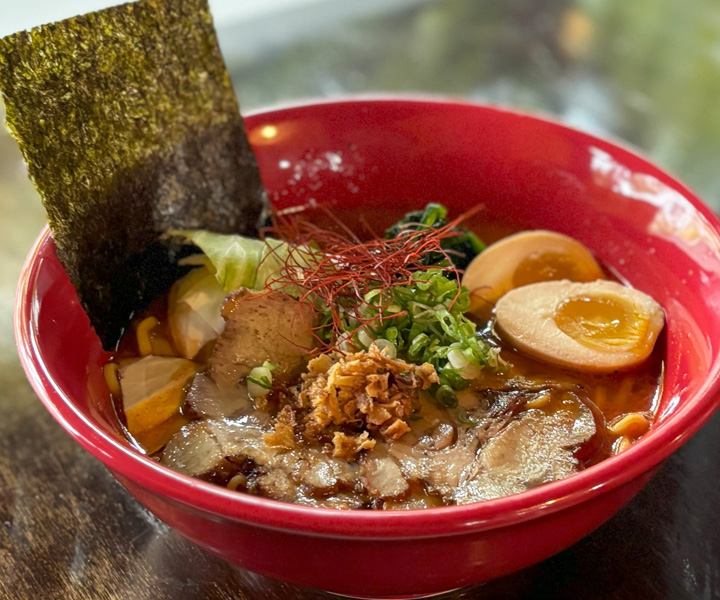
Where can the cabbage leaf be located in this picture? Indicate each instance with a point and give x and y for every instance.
(238, 261)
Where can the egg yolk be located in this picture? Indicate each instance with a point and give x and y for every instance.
(547, 266)
(602, 322)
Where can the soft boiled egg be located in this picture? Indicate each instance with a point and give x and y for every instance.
(600, 326)
(522, 259)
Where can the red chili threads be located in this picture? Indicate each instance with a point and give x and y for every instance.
(335, 269)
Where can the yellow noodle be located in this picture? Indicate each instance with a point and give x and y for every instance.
(623, 392)
(622, 444)
(143, 335)
(236, 481)
(161, 347)
(538, 401)
(600, 396)
(110, 371)
(632, 425)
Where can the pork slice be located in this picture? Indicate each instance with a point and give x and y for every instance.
(262, 326)
(382, 476)
(275, 484)
(212, 401)
(193, 450)
(323, 475)
(440, 470)
(243, 437)
(342, 500)
(438, 451)
(217, 449)
(306, 476)
(534, 448)
(413, 502)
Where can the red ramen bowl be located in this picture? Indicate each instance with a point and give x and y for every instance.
(379, 158)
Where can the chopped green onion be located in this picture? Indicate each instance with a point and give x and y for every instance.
(387, 347)
(446, 397)
(457, 359)
(364, 337)
(259, 380)
(463, 418)
(263, 382)
(430, 327)
(419, 343)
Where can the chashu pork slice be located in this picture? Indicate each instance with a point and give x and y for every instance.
(218, 449)
(262, 326)
(440, 470)
(215, 450)
(437, 451)
(533, 449)
(210, 401)
(381, 475)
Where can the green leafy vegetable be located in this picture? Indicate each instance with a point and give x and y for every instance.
(234, 258)
(461, 248)
(239, 261)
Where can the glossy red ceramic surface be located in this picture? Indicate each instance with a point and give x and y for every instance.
(380, 157)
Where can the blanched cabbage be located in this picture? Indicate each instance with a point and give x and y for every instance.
(238, 261)
(194, 311)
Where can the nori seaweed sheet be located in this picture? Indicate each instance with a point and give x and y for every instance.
(130, 127)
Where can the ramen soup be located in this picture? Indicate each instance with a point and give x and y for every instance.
(415, 370)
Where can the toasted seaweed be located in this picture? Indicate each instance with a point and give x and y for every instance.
(130, 127)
